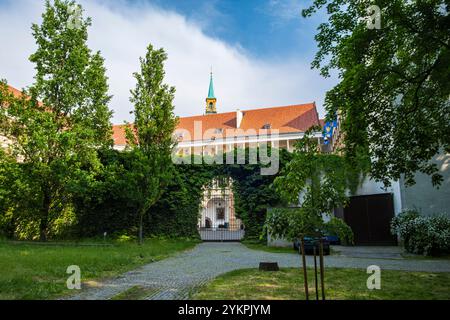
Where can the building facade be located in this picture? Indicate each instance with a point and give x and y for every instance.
(214, 133)
(211, 132)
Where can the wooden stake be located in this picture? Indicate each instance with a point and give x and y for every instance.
(315, 273)
(305, 275)
(322, 276)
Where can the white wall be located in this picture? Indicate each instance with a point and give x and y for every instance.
(425, 197)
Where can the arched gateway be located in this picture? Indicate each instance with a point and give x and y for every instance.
(217, 219)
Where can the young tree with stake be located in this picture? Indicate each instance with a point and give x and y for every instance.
(321, 180)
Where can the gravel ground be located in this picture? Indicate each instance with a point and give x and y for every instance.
(176, 277)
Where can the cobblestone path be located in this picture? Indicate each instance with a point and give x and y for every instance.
(176, 277)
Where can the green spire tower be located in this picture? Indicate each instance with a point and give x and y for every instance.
(211, 99)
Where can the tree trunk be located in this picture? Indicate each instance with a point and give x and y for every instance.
(45, 212)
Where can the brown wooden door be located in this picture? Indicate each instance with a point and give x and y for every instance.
(369, 217)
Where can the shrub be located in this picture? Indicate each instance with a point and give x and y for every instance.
(291, 223)
(338, 227)
(125, 238)
(429, 236)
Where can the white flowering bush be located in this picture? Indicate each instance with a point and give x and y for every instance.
(429, 236)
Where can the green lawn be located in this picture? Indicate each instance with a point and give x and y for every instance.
(134, 293)
(255, 245)
(38, 271)
(340, 284)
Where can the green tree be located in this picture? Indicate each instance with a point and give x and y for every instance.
(10, 181)
(319, 182)
(57, 139)
(150, 138)
(393, 93)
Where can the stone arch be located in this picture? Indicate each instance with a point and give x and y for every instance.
(217, 220)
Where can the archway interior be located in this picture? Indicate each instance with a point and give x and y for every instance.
(217, 219)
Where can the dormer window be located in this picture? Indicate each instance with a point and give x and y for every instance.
(267, 126)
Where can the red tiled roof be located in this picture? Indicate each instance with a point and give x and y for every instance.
(212, 121)
(295, 118)
(286, 119)
(17, 93)
(119, 135)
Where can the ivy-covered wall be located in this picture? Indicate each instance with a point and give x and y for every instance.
(110, 208)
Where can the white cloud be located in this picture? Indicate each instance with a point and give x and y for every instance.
(122, 33)
(285, 9)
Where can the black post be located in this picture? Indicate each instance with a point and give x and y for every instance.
(322, 276)
(305, 275)
(315, 273)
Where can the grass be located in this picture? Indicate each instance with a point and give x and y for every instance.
(411, 256)
(255, 245)
(340, 284)
(134, 293)
(38, 270)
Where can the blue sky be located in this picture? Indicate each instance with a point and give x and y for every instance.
(266, 28)
(260, 51)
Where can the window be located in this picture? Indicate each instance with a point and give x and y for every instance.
(218, 131)
(180, 136)
(267, 126)
(220, 213)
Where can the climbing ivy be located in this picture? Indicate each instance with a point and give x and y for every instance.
(107, 206)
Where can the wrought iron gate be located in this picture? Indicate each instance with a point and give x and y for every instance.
(217, 220)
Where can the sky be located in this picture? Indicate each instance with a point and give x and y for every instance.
(260, 51)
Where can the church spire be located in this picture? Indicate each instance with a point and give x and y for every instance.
(211, 88)
(211, 99)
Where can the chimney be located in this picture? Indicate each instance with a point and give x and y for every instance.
(239, 115)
